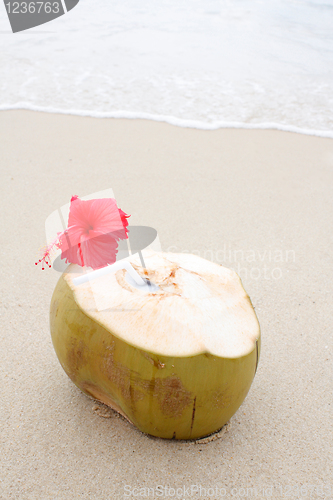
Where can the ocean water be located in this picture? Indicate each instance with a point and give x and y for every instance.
(197, 63)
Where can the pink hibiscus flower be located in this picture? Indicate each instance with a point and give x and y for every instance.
(94, 229)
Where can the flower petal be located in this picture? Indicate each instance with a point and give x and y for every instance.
(99, 251)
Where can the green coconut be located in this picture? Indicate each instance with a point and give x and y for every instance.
(176, 362)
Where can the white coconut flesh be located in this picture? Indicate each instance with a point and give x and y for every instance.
(198, 307)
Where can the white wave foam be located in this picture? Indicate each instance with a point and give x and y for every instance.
(171, 120)
(249, 64)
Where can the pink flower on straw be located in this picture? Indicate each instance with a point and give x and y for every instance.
(94, 229)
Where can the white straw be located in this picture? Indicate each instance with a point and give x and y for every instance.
(122, 264)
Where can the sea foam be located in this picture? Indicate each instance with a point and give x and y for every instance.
(202, 64)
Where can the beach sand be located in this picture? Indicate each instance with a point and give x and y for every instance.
(258, 201)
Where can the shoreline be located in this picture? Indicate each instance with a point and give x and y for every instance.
(171, 120)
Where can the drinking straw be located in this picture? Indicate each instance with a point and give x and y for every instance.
(122, 264)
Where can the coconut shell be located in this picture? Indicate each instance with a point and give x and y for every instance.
(168, 396)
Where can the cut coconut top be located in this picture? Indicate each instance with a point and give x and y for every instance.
(199, 306)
